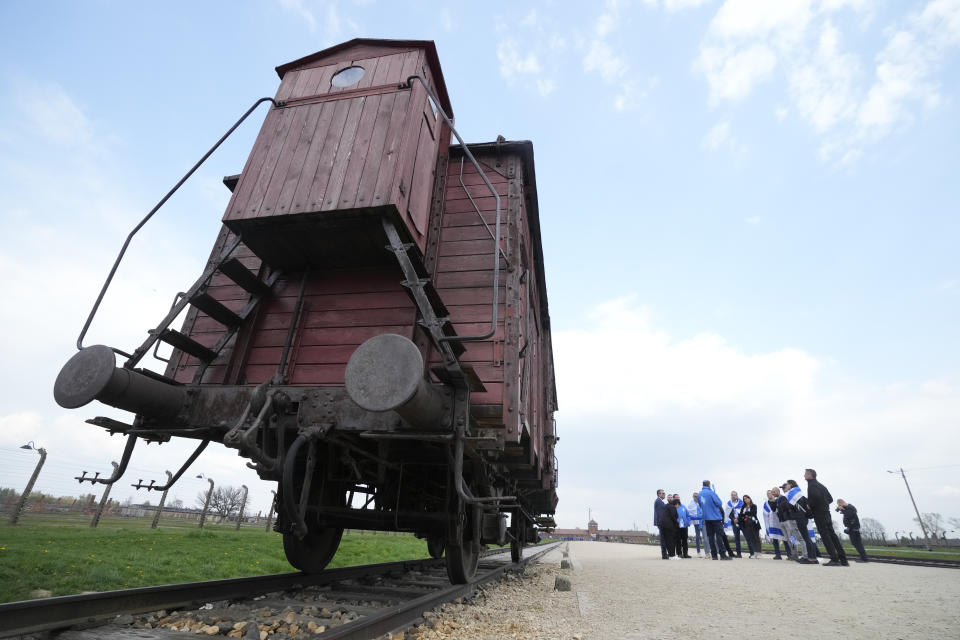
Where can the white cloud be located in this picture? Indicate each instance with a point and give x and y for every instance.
(733, 74)
(720, 137)
(750, 42)
(676, 5)
(822, 86)
(299, 8)
(717, 135)
(324, 17)
(601, 58)
(54, 115)
(754, 220)
(745, 420)
(529, 52)
(520, 67)
(57, 247)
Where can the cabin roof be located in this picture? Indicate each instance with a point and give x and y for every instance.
(427, 45)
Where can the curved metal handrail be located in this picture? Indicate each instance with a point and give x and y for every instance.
(123, 249)
(496, 252)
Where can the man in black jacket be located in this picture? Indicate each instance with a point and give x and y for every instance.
(818, 500)
(851, 523)
(659, 506)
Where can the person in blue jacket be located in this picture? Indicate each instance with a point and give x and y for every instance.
(659, 507)
(712, 512)
(683, 530)
(693, 510)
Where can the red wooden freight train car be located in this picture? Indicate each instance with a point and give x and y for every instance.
(372, 328)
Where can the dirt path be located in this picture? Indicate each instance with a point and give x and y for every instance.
(627, 591)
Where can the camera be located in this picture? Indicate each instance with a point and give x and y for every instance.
(838, 509)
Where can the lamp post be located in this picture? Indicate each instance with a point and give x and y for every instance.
(243, 503)
(919, 519)
(206, 504)
(15, 516)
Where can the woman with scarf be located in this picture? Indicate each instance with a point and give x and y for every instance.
(750, 525)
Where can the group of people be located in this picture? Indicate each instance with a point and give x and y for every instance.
(787, 515)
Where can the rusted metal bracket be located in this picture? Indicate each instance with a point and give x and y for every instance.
(173, 479)
(118, 470)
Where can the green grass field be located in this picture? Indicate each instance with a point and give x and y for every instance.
(69, 557)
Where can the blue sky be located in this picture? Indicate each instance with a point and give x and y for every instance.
(749, 214)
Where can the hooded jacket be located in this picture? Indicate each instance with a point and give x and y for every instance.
(711, 504)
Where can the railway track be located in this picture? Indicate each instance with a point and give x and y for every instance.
(912, 562)
(338, 604)
(917, 562)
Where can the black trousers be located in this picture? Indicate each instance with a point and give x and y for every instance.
(776, 548)
(829, 536)
(682, 535)
(717, 537)
(736, 536)
(725, 541)
(669, 538)
(663, 541)
(753, 539)
(858, 543)
(812, 551)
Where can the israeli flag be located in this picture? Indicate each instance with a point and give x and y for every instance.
(772, 523)
(726, 520)
(794, 495)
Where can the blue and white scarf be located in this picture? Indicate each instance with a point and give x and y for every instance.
(772, 522)
(794, 495)
(730, 505)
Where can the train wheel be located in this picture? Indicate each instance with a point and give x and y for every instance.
(314, 551)
(435, 546)
(463, 544)
(518, 531)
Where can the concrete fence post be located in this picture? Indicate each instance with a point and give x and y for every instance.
(103, 499)
(22, 503)
(163, 498)
(273, 506)
(243, 503)
(206, 504)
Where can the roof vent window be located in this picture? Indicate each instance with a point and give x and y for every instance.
(347, 77)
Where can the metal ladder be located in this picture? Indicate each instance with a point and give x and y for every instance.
(198, 297)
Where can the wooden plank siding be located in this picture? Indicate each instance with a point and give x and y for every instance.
(337, 149)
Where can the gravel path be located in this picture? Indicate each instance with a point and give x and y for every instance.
(627, 591)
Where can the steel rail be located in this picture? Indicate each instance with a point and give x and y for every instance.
(941, 563)
(411, 611)
(45, 614)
